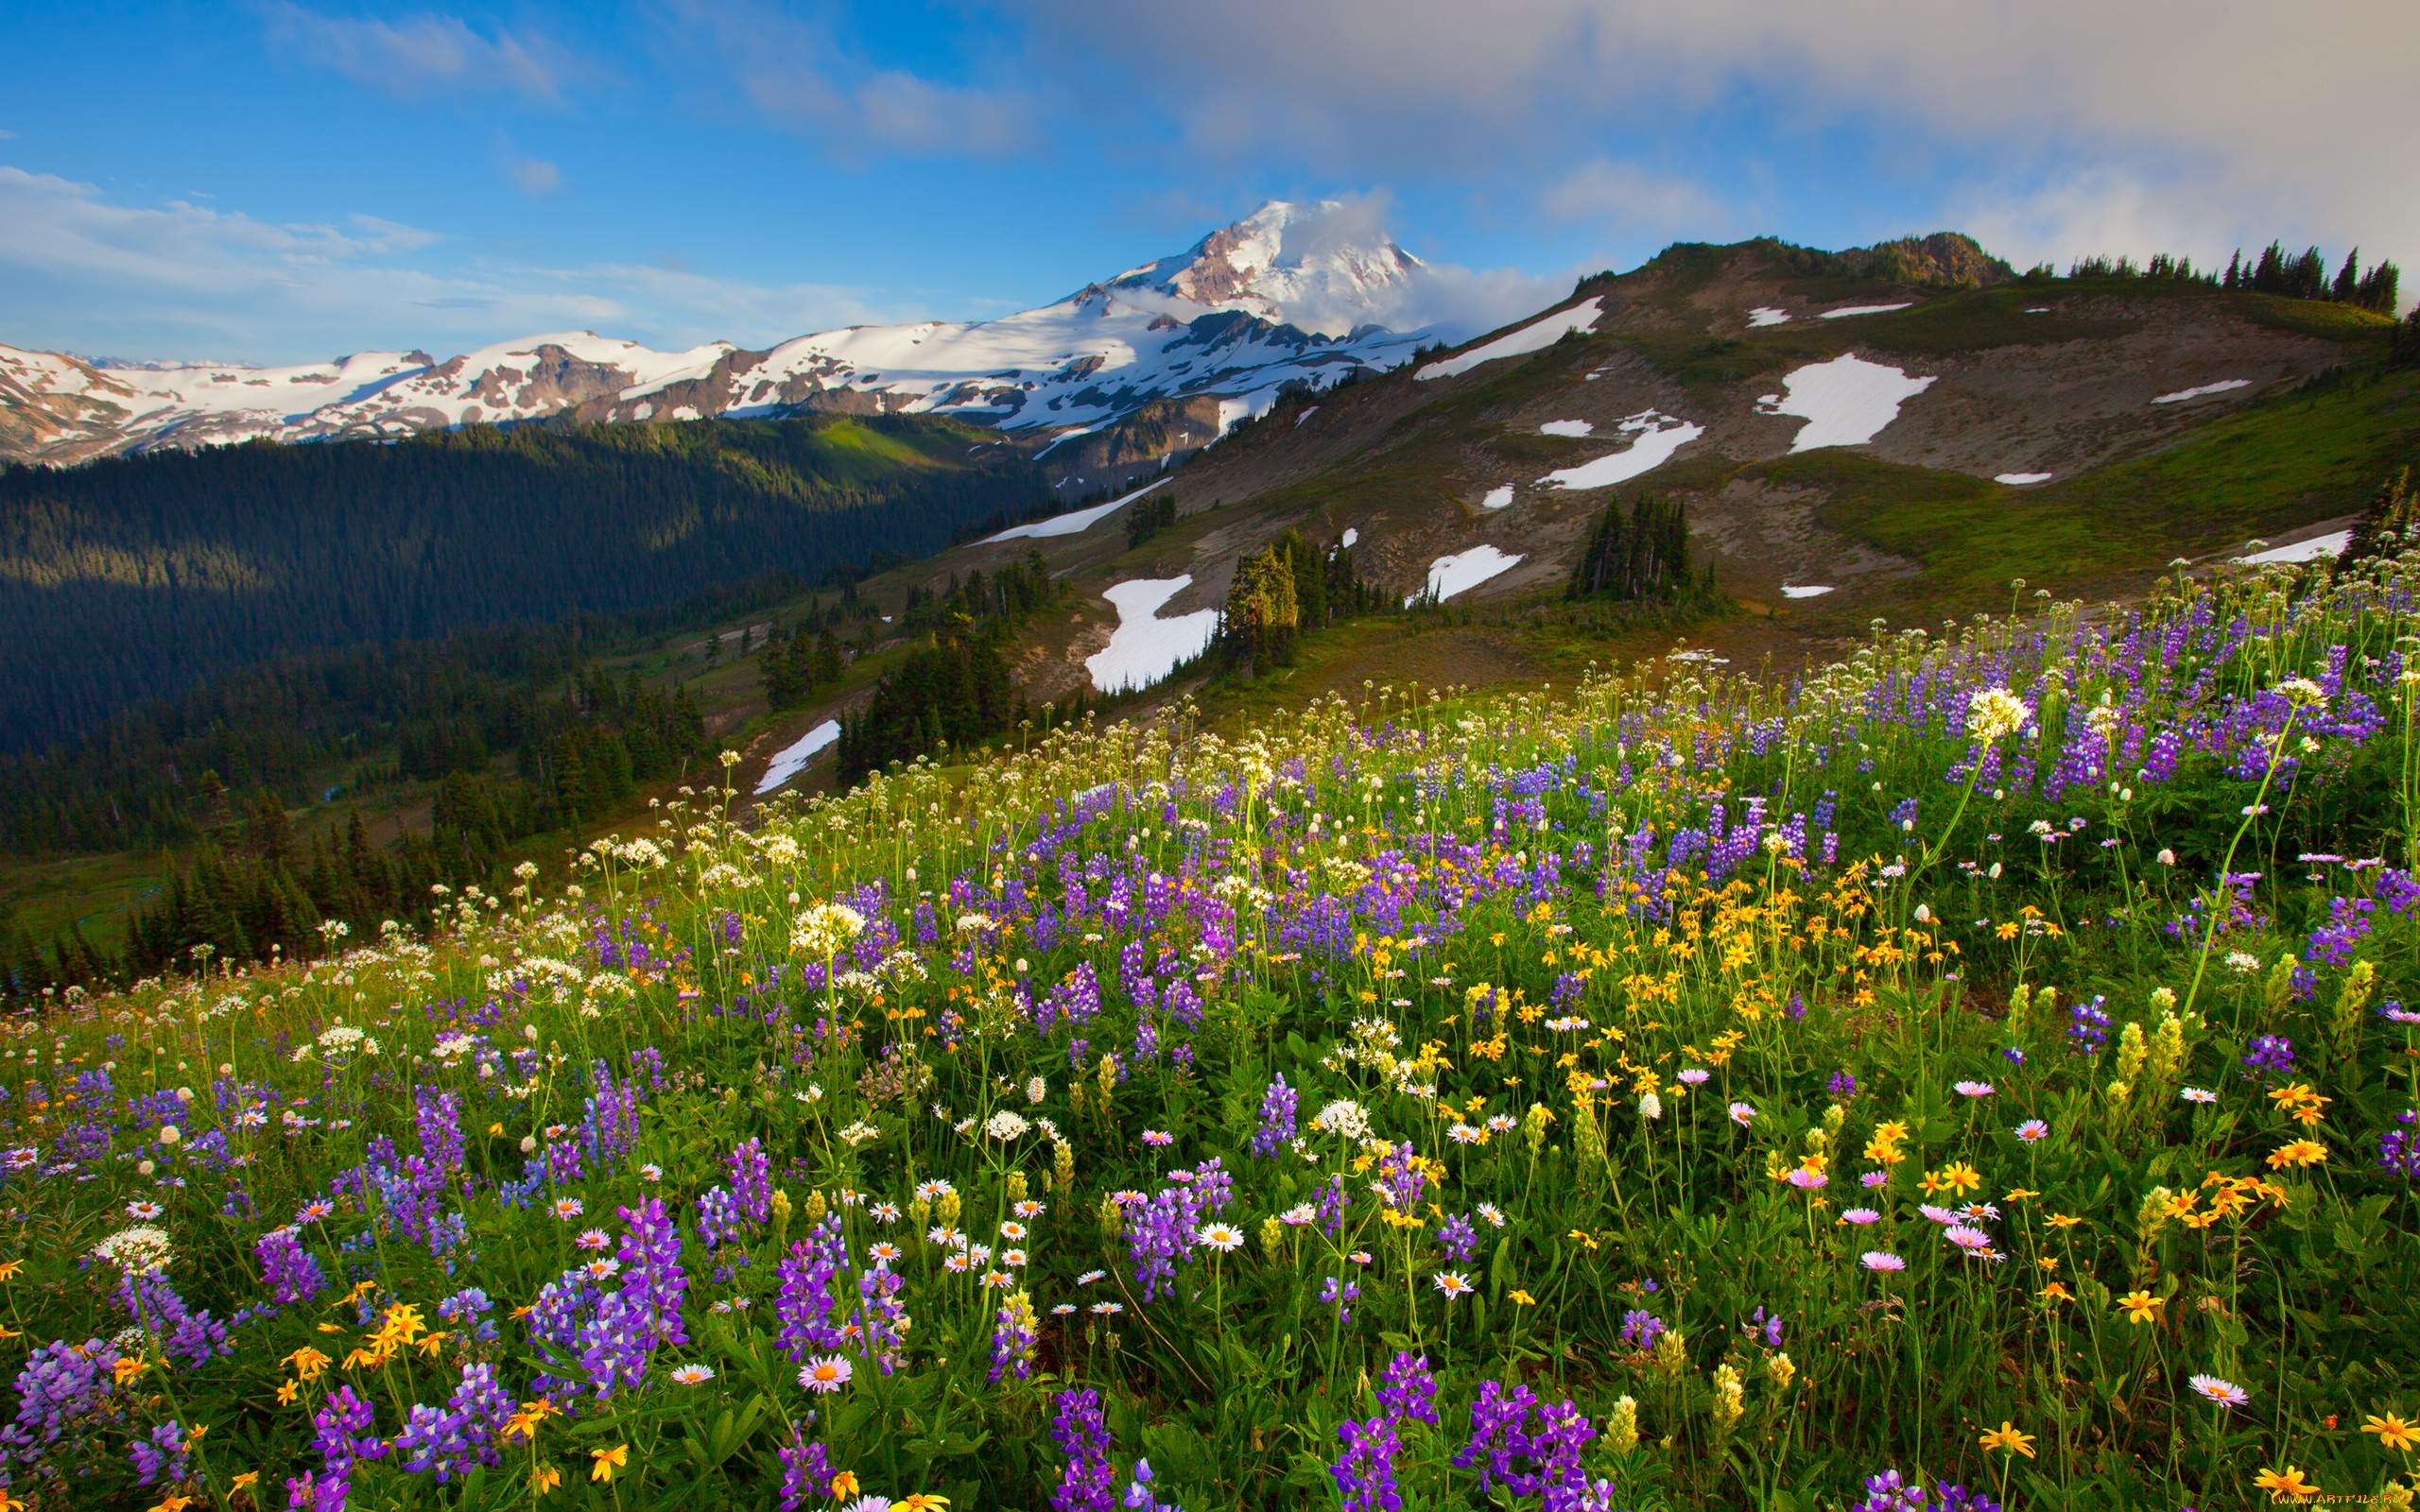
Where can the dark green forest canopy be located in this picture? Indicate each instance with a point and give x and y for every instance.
(139, 577)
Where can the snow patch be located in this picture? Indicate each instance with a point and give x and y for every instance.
(1351, 535)
(1768, 315)
(1535, 337)
(1144, 649)
(1848, 310)
(2221, 387)
(1497, 498)
(1659, 437)
(792, 758)
(1306, 415)
(1811, 590)
(1566, 427)
(1845, 402)
(2037, 309)
(2018, 480)
(1067, 436)
(1070, 523)
(2331, 545)
(1448, 575)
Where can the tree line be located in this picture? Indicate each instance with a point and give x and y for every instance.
(132, 579)
(2273, 270)
(955, 690)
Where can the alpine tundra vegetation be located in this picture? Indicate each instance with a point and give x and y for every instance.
(1975, 1074)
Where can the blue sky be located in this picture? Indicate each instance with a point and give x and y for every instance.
(282, 182)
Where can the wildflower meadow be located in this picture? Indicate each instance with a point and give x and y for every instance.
(1972, 1076)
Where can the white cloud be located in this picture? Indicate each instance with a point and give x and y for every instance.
(1443, 297)
(87, 272)
(1625, 195)
(2136, 89)
(534, 176)
(795, 75)
(421, 54)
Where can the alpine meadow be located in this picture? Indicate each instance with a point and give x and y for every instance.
(1553, 866)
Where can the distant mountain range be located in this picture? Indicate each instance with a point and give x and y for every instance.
(1270, 302)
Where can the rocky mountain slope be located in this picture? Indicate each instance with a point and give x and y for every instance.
(1208, 336)
(1902, 428)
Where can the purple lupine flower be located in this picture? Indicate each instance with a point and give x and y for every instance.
(166, 1454)
(2087, 1027)
(1365, 1472)
(1640, 1328)
(325, 1491)
(463, 1434)
(1956, 1498)
(1082, 1436)
(289, 1270)
(1887, 1492)
(1139, 1495)
(1013, 1335)
(437, 1117)
(2398, 1152)
(806, 1469)
(652, 1279)
(1841, 1086)
(64, 1392)
(1410, 1392)
(2270, 1053)
(1331, 1211)
(1459, 1238)
(804, 1305)
(341, 1432)
(1341, 1295)
(192, 1336)
(1498, 1419)
(466, 1311)
(1768, 1327)
(1276, 1119)
(1501, 1437)
(751, 1180)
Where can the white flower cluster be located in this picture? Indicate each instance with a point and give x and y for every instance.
(1993, 714)
(1344, 1118)
(139, 1249)
(824, 928)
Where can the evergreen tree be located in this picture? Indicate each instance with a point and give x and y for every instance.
(1645, 557)
(1261, 616)
(2348, 278)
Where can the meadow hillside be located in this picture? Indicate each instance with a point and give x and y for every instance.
(1973, 1075)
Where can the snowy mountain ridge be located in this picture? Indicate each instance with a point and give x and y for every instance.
(1275, 299)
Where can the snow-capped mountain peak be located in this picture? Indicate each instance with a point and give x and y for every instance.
(1292, 294)
(1327, 267)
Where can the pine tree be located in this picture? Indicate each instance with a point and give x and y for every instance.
(2348, 278)
(2234, 279)
(2269, 275)
(1259, 620)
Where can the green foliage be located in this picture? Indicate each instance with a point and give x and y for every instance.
(1262, 614)
(1149, 515)
(1643, 557)
(139, 577)
(2388, 517)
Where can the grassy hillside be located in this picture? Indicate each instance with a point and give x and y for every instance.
(1911, 1080)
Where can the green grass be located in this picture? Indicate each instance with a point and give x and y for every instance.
(2302, 457)
(1982, 320)
(43, 899)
